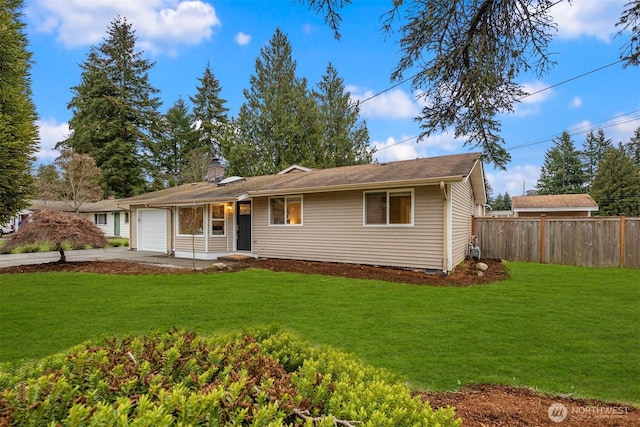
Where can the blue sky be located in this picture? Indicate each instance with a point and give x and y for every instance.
(181, 37)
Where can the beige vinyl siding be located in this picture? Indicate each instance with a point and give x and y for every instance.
(133, 228)
(463, 207)
(186, 243)
(333, 230)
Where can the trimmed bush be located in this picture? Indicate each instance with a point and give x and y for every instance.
(261, 377)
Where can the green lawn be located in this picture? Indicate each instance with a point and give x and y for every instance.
(559, 329)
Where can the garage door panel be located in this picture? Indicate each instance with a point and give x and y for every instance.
(152, 230)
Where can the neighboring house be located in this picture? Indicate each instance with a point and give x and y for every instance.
(111, 219)
(411, 214)
(557, 205)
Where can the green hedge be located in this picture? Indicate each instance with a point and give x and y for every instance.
(262, 377)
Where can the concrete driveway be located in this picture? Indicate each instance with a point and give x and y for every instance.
(107, 254)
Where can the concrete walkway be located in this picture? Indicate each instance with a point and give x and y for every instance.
(107, 254)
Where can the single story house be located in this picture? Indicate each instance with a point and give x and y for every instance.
(556, 205)
(410, 214)
(110, 218)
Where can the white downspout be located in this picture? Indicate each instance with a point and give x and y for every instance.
(447, 236)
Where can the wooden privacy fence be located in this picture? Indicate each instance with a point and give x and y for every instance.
(589, 242)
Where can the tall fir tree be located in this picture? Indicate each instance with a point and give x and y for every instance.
(593, 151)
(562, 171)
(278, 124)
(616, 187)
(18, 131)
(172, 148)
(210, 112)
(345, 140)
(633, 147)
(115, 111)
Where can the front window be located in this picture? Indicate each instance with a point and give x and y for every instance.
(388, 207)
(190, 220)
(217, 219)
(126, 217)
(100, 219)
(285, 210)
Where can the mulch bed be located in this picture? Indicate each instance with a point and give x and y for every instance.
(464, 275)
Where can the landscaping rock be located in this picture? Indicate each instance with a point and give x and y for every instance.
(482, 266)
(220, 266)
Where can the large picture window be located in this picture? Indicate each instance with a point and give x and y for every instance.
(388, 207)
(218, 219)
(190, 220)
(285, 210)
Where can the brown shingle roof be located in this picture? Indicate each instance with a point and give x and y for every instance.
(555, 201)
(418, 171)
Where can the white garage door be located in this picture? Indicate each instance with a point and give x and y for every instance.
(152, 230)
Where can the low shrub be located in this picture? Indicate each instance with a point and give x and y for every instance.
(115, 242)
(260, 377)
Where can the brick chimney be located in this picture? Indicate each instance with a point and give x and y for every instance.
(215, 173)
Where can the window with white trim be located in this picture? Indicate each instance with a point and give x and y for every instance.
(190, 220)
(126, 217)
(218, 219)
(285, 210)
(393, 207)
(100, 218)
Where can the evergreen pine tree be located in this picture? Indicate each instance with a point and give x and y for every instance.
(114, 111)
(633, 147)
(562, 171)
(172, 148)
(209, 111)
(498, 203)
(506, 199)
(18, 132)
(278, 124)
(345, 141)
(593, 151)
(616, 187)
(489, 191)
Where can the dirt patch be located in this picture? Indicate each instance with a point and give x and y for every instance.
(498, 405)
(477, 405)
(464, 275)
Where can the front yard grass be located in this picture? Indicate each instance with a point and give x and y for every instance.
(559, 329)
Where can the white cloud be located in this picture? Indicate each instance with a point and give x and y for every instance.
(160, 25)
(51, 132)
(592, 18)
(392, 150)
(531, 104)
(513, 179)
(407, 147)
(394, 104)
(242, 39)
(576, 102)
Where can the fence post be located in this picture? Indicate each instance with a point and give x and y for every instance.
(543, 236)
(622, 242)
(473, 225)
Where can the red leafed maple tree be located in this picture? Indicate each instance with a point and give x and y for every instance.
(58, 227)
